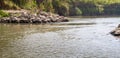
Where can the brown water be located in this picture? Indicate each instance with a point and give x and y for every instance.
(79, 38)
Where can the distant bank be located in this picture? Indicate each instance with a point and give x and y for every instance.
(66, 7)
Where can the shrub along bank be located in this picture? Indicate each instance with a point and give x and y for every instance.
(66, 7)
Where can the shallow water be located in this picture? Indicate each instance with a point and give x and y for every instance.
(79, 38)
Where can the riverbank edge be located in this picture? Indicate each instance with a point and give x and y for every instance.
(99, 16)
(24, 16)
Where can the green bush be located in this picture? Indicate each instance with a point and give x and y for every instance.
(78, 11)
(61, 7)
(3, 14)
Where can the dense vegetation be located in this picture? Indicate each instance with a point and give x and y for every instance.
(66, 7)
(3, 14)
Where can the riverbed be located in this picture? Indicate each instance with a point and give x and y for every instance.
(79, 38)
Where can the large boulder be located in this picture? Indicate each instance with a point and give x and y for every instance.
(116, 32)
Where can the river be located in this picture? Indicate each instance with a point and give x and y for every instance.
(79, 38)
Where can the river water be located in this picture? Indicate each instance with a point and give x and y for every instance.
(79, 38)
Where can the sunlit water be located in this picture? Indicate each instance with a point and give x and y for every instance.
(79, 38)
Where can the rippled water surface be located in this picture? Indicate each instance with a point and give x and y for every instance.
(79, 38)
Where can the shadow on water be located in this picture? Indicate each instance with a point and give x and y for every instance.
(79, 38)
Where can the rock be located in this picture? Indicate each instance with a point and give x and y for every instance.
(119, 26)
(14, 20)
(42, 17)
(43, 13)
(64, 20)
(1, 20)
(116, 32)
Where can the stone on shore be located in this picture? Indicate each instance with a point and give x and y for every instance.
(116, 32)
(41, 17)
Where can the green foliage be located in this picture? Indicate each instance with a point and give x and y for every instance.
(7, 4)
(47, 6)
(78, 11)
(66, 7)
(75, 11)
(30, 5)
(61, 8)
(113, 9)
(42, 7)
(3, 14)
(25, 4)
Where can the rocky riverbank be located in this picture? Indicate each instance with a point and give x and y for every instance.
(41, 17)
(116, 32)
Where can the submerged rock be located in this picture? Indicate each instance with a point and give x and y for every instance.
(116, 32)
(42, 17)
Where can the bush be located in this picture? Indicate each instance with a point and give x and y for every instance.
(112, 9)
(75, 11)
(60, 7)
(3, 14)
(78, 11)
